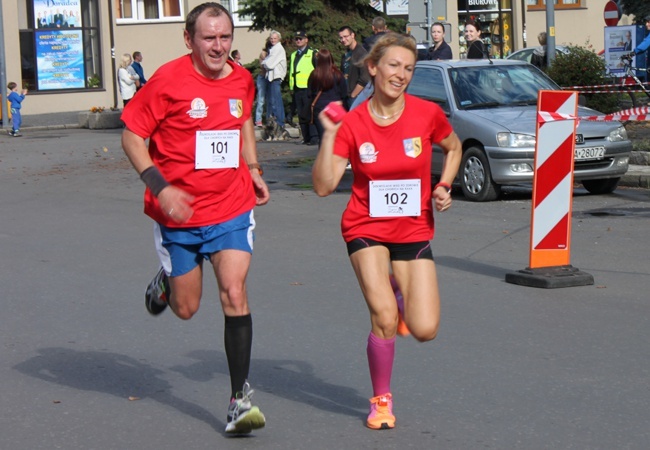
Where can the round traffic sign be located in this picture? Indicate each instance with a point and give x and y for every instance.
(611, 14)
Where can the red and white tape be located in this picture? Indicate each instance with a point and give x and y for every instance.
(640, 114)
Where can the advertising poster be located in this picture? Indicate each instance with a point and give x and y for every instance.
(57, 14)
(377, 4)
(618, 42)
(397, 8)
(59, 59)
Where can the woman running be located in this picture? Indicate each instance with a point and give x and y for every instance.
(388, 222)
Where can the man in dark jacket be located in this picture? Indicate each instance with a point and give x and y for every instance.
(378, 29)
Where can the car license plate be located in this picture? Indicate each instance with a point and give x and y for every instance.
(582, 154)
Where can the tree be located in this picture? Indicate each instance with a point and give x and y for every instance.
(581, 66)
(321, 19)
(638, 8)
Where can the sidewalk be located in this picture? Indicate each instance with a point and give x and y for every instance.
(68, 120)
(636, 176)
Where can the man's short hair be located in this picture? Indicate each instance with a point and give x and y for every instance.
(379, 23)
(213, 9)
(348, 28)
(541, 37)
(136, 54)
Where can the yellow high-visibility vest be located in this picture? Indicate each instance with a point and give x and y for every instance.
(305, 67)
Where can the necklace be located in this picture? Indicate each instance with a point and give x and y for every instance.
(379, 116)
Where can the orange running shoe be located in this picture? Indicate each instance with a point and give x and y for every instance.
(402, 329)
(381, 413)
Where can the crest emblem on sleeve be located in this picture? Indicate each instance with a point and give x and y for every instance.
(412, 147)
(236, 108)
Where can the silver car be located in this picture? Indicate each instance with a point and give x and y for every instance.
(526, 54)
(492, 106)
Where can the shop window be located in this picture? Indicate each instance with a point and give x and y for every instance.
(149, 10)
(60, 47)
(494, 19)
(559, 4)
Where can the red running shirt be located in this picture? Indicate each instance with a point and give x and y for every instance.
(177, 102)
(398, 151)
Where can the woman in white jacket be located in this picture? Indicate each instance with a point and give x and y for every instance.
(127, 79)
(276, 69)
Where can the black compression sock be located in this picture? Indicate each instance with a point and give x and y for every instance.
(238, 340)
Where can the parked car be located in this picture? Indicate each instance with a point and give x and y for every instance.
(423, 51)
(525, 54)
(492, 106)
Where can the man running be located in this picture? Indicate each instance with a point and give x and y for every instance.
(203, 181)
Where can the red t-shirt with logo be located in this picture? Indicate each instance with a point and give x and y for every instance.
(170, 109)
(399, 151)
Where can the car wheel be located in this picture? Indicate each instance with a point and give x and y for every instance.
(476, 179)
(606, 186)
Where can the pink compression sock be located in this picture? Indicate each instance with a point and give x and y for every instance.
(381, 353)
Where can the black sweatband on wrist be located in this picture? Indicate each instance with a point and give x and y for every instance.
(154, 180)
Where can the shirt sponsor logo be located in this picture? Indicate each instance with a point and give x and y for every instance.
(367, 153)
(236, 108)
(412, 147)
(198, 109)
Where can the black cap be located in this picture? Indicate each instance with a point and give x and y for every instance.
(301, 34)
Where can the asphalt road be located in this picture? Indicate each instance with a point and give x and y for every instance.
(85, 367)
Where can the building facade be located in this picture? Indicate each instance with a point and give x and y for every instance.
(66, 52)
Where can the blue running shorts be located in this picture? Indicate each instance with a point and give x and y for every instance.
(182, 249)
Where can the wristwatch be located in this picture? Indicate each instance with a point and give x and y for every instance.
(256, 166)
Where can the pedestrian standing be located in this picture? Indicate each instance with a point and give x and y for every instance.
(358, 76)
(202, 182)
(276, 69)
(326, 85)
(301, 65)
(127, 78)
(439, 48)
(16, 103)
(236, 57)
(137, 67)
(475, 46)
(389, 218)
(379, 28)
(539, 58)
(261, 84)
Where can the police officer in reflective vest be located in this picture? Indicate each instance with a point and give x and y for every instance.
(302, 63)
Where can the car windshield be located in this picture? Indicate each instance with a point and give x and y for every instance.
(495, 85)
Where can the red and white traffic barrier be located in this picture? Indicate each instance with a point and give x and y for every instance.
(553, 181)
(550, 237)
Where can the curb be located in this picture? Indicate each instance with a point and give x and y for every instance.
(294, 133)
(636, 176)
(52, 127)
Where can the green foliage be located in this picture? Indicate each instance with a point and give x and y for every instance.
(581, 66)
(321, 19)
(94, 81)
(638, 8)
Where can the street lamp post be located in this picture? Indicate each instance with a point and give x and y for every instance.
(3, 73)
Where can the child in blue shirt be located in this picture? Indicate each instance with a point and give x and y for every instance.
(15, 99)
